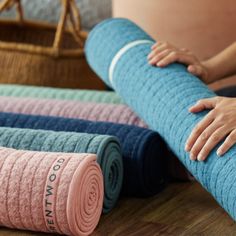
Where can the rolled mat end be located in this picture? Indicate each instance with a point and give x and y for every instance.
(50, 192)
(112, 165)
(87, 179)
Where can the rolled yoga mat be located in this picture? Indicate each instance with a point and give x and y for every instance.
(117, 50)
(105, 147)
(82, 95)
(144, 152)
(71, 109)
(50, 192)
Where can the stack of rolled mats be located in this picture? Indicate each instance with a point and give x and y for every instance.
(117, 50)
(78, 103)
(132, 158)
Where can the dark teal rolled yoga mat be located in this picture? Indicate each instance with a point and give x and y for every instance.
(107, 149)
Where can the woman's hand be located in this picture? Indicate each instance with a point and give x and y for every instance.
(218, 124)
(163, 54)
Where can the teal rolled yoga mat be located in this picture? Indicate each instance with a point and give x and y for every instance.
(63, 94)
(107, 149)
(117, 50)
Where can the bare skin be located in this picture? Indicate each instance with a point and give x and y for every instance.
(220, 122)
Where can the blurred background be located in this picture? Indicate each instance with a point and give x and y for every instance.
(202, 26)
(92, 11)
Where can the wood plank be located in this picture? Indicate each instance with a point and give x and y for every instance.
(181, 209)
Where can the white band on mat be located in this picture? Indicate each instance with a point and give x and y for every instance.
(121, 52)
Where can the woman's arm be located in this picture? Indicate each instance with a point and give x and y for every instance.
(222, 65)
(216, 68)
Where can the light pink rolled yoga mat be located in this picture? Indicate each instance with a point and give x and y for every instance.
(117, 113)
(50, 192)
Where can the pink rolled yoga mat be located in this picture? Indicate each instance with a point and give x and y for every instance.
(116, 113)
(50, 192)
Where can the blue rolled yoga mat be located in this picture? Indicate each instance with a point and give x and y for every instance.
(144, 152)
(117, 50)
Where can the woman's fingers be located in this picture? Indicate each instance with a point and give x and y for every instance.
(228, 143)
(202, 139)
(197, 70)
(158, 44)
(197, 131)
(159, 56)
(155, 45)
(163, 54)
(204, 104)
(177, 56)
(184, 50)
(158, 49)
(207, 134)
(211, 142)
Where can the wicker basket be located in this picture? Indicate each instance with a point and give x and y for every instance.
(38, 53)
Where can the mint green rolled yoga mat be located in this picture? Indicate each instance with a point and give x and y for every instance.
(57, 93)
(107, 149)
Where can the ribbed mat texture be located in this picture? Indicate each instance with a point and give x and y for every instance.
(50, 192)
(82, 95)
(161, 97)
(71, 109)
(105, 147)
(177, 170)
(144, 152)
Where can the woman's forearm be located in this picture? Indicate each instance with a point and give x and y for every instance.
(222, 65)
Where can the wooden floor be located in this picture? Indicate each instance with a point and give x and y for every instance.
(182, 209)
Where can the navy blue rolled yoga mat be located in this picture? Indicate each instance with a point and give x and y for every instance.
(117, 50)
(144, 152)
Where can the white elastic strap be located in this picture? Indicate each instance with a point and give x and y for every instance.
(121, 52)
